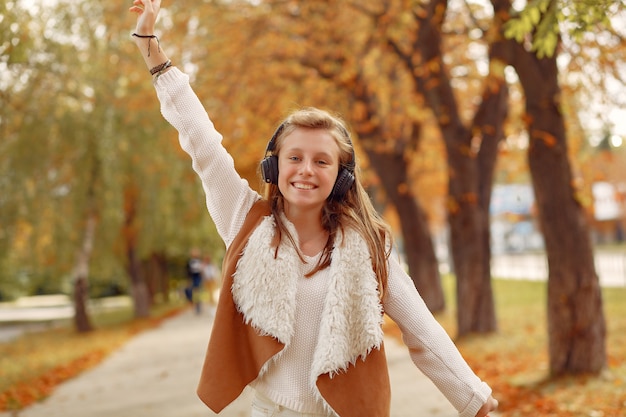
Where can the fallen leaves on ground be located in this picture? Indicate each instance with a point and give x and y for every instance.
(50, 358)
(517, 370)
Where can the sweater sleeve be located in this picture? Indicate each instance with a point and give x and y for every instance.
(228, 196)
(430, 347)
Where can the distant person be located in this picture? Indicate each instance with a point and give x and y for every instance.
(193, 292)
(307, 273)
(210, 278)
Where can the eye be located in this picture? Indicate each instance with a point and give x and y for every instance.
(322, 162)
(294, 158)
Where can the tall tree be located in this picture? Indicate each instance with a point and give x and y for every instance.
(576, 325)
(422, 53)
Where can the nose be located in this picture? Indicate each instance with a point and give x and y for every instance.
(306, 168)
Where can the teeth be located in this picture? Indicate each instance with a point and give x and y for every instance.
(303, 186)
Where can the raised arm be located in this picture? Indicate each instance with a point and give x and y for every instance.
(228, 196)
(144, 37)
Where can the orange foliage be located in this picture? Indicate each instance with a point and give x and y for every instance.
(572, 396)
(29, 391)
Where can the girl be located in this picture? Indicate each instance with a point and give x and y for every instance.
(307, 272)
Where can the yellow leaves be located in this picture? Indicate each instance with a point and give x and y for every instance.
(23, 234)
(455, 205)
(497, 69)
(359, 111)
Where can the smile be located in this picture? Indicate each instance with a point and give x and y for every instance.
(301, 186)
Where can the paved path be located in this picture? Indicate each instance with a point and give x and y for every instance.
(155, 375)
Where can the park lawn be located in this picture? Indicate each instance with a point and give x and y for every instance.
(32, 365)
(514, 361)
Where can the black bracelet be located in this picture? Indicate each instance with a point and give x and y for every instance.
(150, 37)
(161, 67)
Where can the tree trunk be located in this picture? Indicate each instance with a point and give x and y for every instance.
(155, 268)
(488, 127)
(82, 322)
(418, 245)
(139, 289)
(164, 282)
(475, 306)
(576, 325)
(391, 168)
(466, 224)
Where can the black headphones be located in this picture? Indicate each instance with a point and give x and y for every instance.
(345, 178)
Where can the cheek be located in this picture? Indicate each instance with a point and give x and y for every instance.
(332, 175)
(284, 172)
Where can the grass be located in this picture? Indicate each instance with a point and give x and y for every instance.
(32, 365)
(515, 362)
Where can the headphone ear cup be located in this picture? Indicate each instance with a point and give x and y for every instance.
(345, 179)
(269, 169)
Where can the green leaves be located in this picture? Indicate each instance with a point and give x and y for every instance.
(537, 24)
(541, 23)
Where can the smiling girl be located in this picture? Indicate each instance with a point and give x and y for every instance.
(307, 273)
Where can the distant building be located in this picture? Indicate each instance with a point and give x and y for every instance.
(609, 212)
(513, 223)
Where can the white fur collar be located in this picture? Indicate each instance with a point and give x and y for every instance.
(264, 290)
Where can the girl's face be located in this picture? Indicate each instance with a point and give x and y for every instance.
(308, 163)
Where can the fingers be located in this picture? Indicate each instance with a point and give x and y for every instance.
(494, 404)
(137, 7)
(490, 405)
(147, 12)
(140, 6)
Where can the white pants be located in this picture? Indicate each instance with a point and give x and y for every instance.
(264, 407)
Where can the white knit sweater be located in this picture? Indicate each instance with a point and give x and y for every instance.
(287, 378)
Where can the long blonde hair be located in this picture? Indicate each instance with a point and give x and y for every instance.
(354, 210)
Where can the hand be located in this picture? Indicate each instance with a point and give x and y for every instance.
(490, 405)
(147, 11)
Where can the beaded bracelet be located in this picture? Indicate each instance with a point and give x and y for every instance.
(166, 65)
(160, 67)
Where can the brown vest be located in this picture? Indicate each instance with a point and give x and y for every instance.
(236, 352)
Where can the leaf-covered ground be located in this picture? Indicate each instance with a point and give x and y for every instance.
(514, 361)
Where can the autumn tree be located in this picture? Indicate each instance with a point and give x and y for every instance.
(471, 151)
(308, 55)
(77, 132)
(576, 325)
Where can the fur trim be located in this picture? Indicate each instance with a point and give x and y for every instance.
(264, 290)
(352, 318)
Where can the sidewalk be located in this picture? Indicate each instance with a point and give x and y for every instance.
(155, 375)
